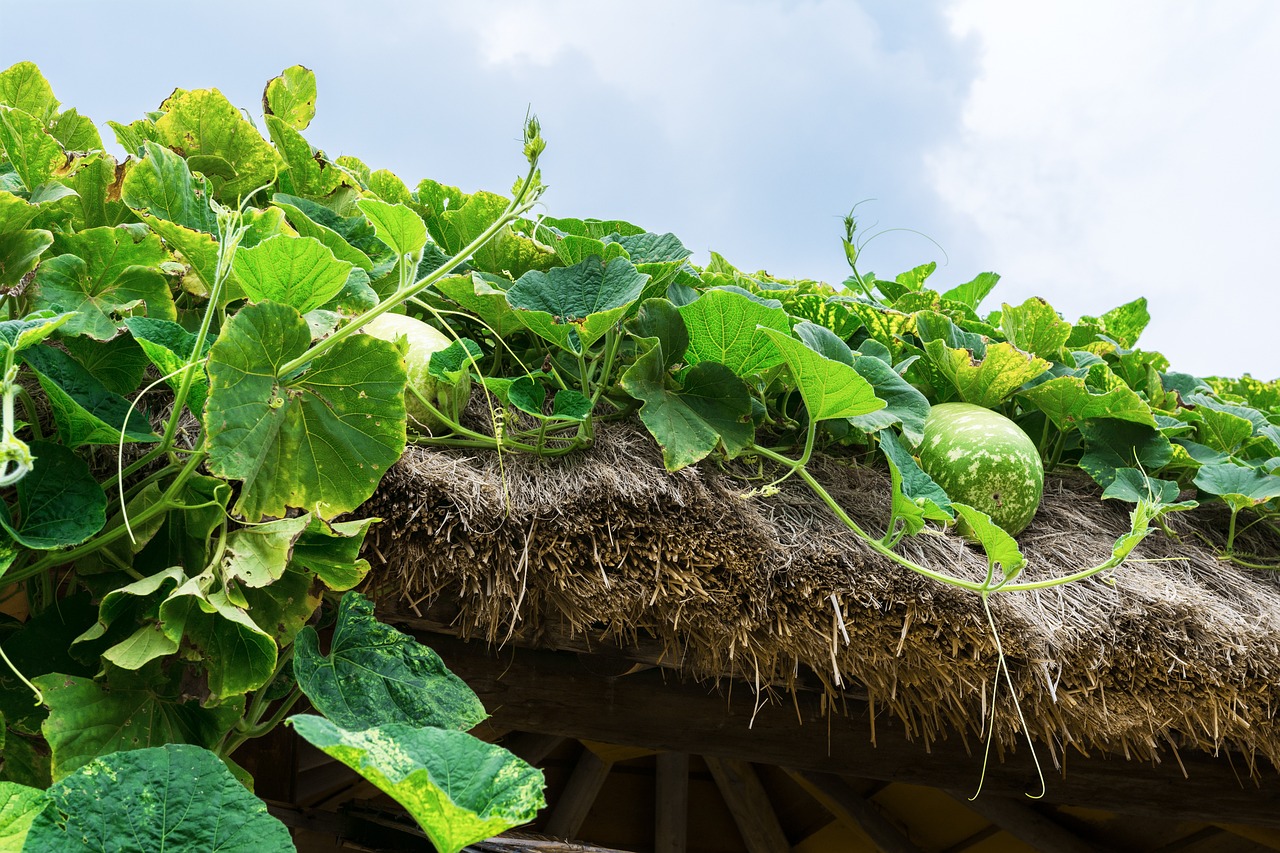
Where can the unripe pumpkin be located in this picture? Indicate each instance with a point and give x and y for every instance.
(983, 459)
(422, 340)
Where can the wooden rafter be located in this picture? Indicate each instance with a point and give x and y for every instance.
(1026, 824)
(550, 692)
(749, 804)
(854, 811)
(571, 807)
(671, 798)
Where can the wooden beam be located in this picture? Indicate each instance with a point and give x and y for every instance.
(671, 826)
(531, 746)
(854, 811)
(575, 801)
(550, 692)
(1026, 824)
(749, 804)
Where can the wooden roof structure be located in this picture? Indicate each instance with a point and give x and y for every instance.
(699, 669)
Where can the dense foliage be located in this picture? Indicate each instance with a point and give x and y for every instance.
(192, 412)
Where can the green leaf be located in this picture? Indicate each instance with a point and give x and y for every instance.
(1238, 485)
(97, 187)
(20, 251)
(648, 248)
(578, 303)
(87, 720)
(660, 319)
(1067, 401)
(1112, 444)
(42, 645)
(34, 154)
(296, 271)
(301, 212)
(986, 383)
(19, 806)
(1132, 485)
(119, 364)
(23, 87)
(292, 97)
(161, 186)
(1223, 430)
(84, 410)
(396, 225)
(1001, 548)
(728, 328)
(203, 123)
(1036, 328)
(169, 346)
(105, 273)
(332, 551)
(235, 652)
(309, 173)
(319, 441)
(917, 486)
(17, 335)
(74, 131)
(375, 675)
(690, 420)
(284, 607)
(1125, 323)
(59, 502)
(459, 789)
(971, 293)
(137, 602)
(257, 554)
(451, 364)
(175, 797)
(485, 296)
(932, 326)
(830, 388)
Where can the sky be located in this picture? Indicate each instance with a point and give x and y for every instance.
(1089, 152)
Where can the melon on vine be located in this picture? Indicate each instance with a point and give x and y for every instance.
(983, 459)
(421, 340)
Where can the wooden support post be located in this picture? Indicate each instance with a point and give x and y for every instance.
(749, 805)
(854, 810)
(575, 801)
(1027, 824)
(671, 828)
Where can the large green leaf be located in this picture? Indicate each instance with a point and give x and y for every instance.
(137, 603)
(1114, 444)
(485, 296)
(237, 654)
(689, 419)
(20, 251)
(88, 720)
(297, 271)
(175, 798)
(105, 274)
(971, 293)
(206, 128)
(169, 347)
(291, 97)
(17, 335)
(84, 410)
(119, 364)
(19, 806)
(459, 789)
(40, 646)
(23, 87)
(396, 225)
(1068, 401)
(1132, 485)
(1238, 485)
(59, 502)
(258, 553)
(572, 307)
(1036, 328)
(309, 173)
(728, 328)
(319, 441)
(917, 486)
(988, 382)
(161, 186)
(34, 154)
(375, 675)
(830, 388)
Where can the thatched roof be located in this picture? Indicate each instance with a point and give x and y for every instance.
(1175, 649)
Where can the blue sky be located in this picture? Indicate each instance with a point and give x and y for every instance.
(1090, 152)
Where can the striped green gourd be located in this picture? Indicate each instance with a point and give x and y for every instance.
(983, 459)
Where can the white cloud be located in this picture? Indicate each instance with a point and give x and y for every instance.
(1114, 150)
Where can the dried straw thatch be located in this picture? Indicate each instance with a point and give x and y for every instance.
(1175, 649)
